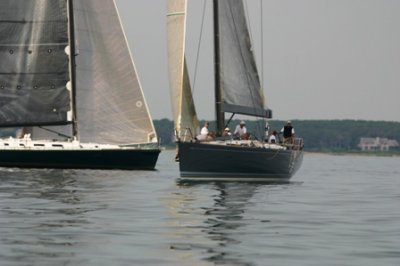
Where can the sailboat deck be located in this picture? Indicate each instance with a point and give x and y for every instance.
(28, 144)
(297, 144)
(246, 143)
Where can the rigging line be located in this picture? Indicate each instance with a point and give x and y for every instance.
(238, 41)
(258, 125)
(259, 121)
(262, 64)
(55, 132)
(199, 46)
(241, 52)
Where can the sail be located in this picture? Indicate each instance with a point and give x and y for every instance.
(34, 63)
(181, 95)
(239, 80)
(110, 105)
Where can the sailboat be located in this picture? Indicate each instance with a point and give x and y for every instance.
(237, 91)
(68, 82)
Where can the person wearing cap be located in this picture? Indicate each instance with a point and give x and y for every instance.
(288, 133)
(241, 131)
(227, 132)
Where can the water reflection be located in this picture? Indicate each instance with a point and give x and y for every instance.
(39, 211)
(224, 217)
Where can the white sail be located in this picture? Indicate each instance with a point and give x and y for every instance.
(110, 105)
(181, 95)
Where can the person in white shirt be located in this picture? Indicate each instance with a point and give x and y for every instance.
(204, 130)
(241, 131)
(266, 131)
(205, 134)
(272, 138)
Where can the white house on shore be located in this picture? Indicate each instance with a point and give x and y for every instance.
(377, 144)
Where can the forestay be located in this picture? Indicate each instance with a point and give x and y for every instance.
(181, 95)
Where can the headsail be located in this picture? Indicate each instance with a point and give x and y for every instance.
(239, 80)
(110, 104)
(34, 63)
(181, 95)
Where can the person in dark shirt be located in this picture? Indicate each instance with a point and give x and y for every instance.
(288, 133)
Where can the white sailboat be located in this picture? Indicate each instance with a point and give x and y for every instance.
(237, 91)
(68, 80)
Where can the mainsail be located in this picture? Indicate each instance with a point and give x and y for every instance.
(239, 80)
(181, 95)
(110, 104)
(34, 63)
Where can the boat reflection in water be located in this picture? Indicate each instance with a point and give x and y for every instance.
(212, 226)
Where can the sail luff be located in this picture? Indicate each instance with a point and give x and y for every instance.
(181, 95)
(71, 85)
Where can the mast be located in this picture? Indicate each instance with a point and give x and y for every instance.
(218, 94)
(72, 66)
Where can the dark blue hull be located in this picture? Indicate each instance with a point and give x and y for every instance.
(215, 161)
(128, 159)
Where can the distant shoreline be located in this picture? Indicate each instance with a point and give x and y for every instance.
(358, 153)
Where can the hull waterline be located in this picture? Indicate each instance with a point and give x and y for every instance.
(126, 159)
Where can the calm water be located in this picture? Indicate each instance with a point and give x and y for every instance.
(337, 210)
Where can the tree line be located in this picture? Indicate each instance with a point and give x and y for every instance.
(318, 135)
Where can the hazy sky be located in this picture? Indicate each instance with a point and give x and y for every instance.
(323, 59)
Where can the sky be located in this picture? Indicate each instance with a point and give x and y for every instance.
(322, 59)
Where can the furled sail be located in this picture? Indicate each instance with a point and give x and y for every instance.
(110, 105)
(239, 80)
(34, 63)
(181, 95)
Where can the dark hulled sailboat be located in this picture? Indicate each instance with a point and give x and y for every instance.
(237, 91)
